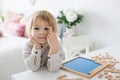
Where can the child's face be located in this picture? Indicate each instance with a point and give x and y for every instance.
(39, 31)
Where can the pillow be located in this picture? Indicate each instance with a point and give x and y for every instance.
(15, 29)
(1, 33)
(24, 21)
(12, 16)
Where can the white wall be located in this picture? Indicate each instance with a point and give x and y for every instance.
(15, 5)
(102, 19)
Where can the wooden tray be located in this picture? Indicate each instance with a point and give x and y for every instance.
(83, 66)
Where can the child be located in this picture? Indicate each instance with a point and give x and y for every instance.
(43, 48)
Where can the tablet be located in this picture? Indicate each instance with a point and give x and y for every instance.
(83, 66)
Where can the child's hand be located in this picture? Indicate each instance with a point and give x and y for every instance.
(34, 42)
(52, 41)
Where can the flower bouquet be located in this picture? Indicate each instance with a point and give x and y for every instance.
(69, 17)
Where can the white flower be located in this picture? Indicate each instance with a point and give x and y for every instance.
(71, 16)
(80, 11)
(65, 11)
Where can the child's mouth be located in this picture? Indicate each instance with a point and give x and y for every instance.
(41, 37)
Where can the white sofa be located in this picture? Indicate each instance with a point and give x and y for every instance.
(11, 60)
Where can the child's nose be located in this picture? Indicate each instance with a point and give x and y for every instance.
(42, 32)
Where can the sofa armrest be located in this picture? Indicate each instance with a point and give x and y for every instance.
(11, 60)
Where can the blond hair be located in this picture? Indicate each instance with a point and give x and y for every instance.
(43, 16)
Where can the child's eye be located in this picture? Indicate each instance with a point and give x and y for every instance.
(36, 28)
(46, 28)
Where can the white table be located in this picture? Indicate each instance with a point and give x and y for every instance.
(44, 74)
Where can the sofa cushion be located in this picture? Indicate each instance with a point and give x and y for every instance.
(1, 33)
(24, 20)
(15, 29)
(11, 16)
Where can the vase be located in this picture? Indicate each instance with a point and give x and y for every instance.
(74, 31)
(68, 32)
